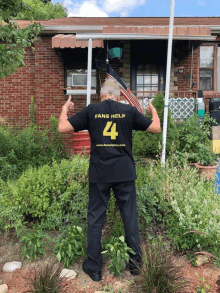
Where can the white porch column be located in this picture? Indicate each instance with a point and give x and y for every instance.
(89, 72)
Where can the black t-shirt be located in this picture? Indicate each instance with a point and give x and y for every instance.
(110, 126)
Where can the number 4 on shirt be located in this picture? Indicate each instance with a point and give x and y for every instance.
(112, 132)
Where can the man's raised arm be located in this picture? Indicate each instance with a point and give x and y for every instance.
(155, 125)
(64, 125)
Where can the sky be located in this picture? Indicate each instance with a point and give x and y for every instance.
(140, 8)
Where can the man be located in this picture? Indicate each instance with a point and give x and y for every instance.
(110, 126)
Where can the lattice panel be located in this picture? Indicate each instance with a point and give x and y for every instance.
(181, 108)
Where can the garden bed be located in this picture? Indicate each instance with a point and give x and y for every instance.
(17, 281)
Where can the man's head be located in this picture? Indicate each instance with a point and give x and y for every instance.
(110, 90)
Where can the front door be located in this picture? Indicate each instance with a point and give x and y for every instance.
(148, 67)
(147, 81)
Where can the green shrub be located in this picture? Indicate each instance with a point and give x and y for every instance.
(31, 146)
(70, 245)
(148, 144)
(150, 195)
(192, 205)
(194, 136)
(182, 201)
(49, 195)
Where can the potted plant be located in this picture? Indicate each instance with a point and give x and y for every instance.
(194, 135)
(206, 162)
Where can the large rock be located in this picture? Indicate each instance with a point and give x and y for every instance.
(11, 266)
(3, 288)
(70, 274)
(201, 260)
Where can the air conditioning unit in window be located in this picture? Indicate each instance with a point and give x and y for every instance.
(78, 82)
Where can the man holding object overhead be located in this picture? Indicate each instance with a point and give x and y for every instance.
(110, 126)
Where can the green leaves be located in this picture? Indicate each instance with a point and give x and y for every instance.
(13, 42)
(34, 243)
(40, 10)
(17, 155)
(147, 144)
(194, 136)
(10, 9)
(70, 245)
(117, 250)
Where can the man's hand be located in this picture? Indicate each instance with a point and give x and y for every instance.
(68, 105)
(64, 125)
(150, 108)
(155, 125)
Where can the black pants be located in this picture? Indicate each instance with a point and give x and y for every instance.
(99, 194)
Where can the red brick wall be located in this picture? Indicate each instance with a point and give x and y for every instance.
(43, 78)
(185, 60)
(16, 91)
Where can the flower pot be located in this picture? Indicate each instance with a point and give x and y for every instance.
(81, 142)
(206, 171)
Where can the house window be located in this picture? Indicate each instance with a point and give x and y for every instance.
(206, 68)
(77, 81)
(147, 81)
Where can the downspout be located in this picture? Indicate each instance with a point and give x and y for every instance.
(89, 72)
(191, 75)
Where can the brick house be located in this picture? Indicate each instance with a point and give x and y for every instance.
(59, 64)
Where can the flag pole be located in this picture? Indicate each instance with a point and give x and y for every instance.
(167, 91)
(89, 72)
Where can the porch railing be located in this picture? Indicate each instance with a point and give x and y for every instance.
(182, 104)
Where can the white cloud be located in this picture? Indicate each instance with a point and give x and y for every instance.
(121, 6)
(85, 9)
(124, 14)
(201, 3)
(101, 8)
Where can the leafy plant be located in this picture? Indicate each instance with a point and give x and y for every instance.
(31, 146)
(158, 273)
(34, 242)
(109, 288)
(14, 39)
(47, 280)
(190, 205)
(51, 195)
(194, 140)
(202, 288)
(117, 250)
(147, 144)
(70, 245)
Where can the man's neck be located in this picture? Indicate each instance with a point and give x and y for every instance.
(110, 98)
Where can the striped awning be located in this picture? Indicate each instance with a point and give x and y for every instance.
(69, 41)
